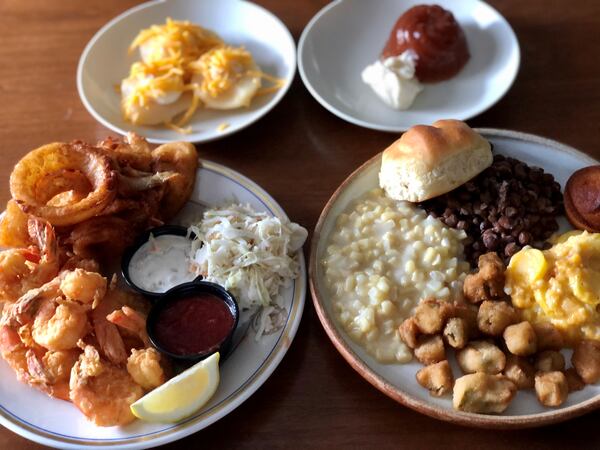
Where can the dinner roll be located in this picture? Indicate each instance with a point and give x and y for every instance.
(428, 161)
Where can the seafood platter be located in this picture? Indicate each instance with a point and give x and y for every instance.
(457, 271)
(146, 293)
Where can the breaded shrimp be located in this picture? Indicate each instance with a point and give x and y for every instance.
(58, 326)
(145, 368)
(101, 391)
(84, 287)
(23, 269)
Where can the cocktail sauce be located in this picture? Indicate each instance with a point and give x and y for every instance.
(435, 38)
(195, 324)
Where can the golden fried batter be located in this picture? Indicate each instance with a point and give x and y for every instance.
(586, 360)
(551, 388)
(494, 317)
(481, 356)
(430, 349)
(437, 378)
(520, 371)
(483, 393)
(488, 282)
(520, 339)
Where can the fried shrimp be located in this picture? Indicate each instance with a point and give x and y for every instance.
(56, 323)
(51, 372)
(60, 157)
(60, 326)
(145, 368)
(182, 158)
(131, 320)
(14, 351)
(85, 287)
(110, 341)
(13, 227)
(101, 391)
(24, 269)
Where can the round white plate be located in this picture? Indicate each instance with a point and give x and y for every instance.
(105, 62)
(347, 35)
(398, 380)
(57, 423)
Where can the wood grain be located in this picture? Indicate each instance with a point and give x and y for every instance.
(300, 153)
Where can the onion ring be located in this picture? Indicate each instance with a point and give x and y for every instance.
(101, 237)
(57, 157)
(63, 180)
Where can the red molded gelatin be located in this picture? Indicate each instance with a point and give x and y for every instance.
(436, 39)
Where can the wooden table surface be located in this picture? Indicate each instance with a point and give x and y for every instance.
(300, 153)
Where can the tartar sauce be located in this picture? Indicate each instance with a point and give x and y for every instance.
(393, 80)
(162, 263)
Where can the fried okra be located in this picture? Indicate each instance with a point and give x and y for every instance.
(430, 315)
(494, 317)
(481, 356)
(456, 333)
(437, 378)
(549, 361)
(409, 332)
(468, 313)
(586, 360)
(520, 339)
(519, 371)
(483, 393)
(551, 388)
(548, 337)
(488, 282)
(574, 380)
(430, 349)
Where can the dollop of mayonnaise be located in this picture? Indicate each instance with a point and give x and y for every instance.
(162, 263)
(393, 80)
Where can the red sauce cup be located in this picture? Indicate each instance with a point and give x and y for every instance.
(192, 321)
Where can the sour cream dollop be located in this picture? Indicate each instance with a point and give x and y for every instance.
(162, 263)
(393, 80)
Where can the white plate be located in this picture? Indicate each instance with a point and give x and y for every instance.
(105, 62)
(57, 423)
(398, 380)
(347, 35)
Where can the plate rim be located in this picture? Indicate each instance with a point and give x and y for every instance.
(239, 396)
(396, 393)
(193, 137)
(373, 125)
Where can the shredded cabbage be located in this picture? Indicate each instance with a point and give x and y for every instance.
(249, 253)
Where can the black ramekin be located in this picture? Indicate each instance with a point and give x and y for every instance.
(130, 251)
(188, 290)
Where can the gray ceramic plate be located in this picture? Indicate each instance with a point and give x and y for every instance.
(398, 380)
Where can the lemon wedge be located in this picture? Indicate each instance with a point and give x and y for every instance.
(182, 395)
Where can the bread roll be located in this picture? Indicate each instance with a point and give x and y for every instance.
(428, 161)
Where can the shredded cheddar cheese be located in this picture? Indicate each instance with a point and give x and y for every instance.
(222, 127)
(180, 57)
(174, 39)
(222, 67)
